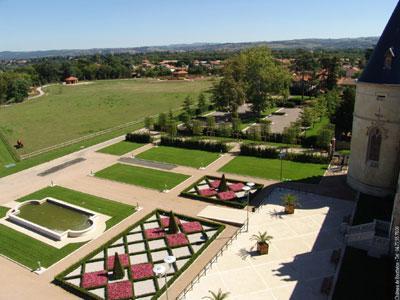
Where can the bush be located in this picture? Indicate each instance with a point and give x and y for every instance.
(307, 158)
(142, 138)
(194, 144)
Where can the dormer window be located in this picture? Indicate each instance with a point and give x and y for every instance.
(389, 56)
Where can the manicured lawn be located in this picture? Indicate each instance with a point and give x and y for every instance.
(271, 168)
(149, 178)
(28, 251)
(120, 148)
(3, 211)
(317, 126)
(71, 112)
(179, 156)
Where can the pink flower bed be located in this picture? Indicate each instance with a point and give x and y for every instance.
(123, 258)
(191, 227)
(236, 187)
(208, 192)
(226, 195)
(119, 290)
(140, 271)
(177, 239)
(165, 221)
(215, 184)
(154, 233)
(94, 279)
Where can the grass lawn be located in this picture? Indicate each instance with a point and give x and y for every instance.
(149, 178)
(179, 156)
(69, 112)
(317, 126)
(120, 148)
(28, 251)
(271, 168)
(3, 211)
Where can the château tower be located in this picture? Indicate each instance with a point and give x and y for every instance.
(375, 147)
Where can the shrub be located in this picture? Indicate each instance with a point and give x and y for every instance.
(173, 226)
(258, 151)
(223, 187)
(143, 138)
(118, 270)
(193, 144)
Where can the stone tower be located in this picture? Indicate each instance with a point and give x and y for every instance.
(375, 146)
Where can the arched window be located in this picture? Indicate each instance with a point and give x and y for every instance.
(374, 145)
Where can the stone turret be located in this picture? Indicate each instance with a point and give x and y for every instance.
(375, 146)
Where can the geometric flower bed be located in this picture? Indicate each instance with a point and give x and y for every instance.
(230, 193)
(141, 247)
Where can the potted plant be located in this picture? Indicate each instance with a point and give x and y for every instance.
(263, 240)
(290, 203)
(217, 296)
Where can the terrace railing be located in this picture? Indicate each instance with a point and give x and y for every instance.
(209, 265)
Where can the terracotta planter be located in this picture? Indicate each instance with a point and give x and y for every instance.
(262, 248)
(289, 209)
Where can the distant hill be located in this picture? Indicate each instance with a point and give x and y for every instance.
(329, 44)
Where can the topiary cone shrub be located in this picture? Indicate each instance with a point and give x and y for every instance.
(173, 226)
(118, 270)
(223, 187)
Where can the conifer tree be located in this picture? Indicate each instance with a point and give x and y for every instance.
(223, 187)
(118, 270)
(173, 225)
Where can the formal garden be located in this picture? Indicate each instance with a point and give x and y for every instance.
(28, 251)
(139, 262)
(144, 177)
(222, 191)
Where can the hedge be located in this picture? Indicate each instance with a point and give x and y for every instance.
(143, 138)
(235, 204)
(195, 144)
(83, 293)
(269, 152)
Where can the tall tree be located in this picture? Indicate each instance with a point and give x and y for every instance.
(343, 117)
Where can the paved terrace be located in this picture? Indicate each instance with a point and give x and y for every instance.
(299, 255)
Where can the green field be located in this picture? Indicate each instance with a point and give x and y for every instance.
(148, 178)
(317, 127)
(69, 112)
(120, 148)
(28, 251)
(179, 156)
(271, 168)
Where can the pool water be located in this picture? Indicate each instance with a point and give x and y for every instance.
(54, 217)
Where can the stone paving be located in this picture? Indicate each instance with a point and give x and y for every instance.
(299, 255)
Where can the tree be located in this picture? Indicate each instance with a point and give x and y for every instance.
(148, 123)
(307, 117)
(185, 119)
(324, 138)
(228, 94)
(291, 133)
(343, 117)
(173, 225)
(217, 296)
(197, 127)
(223, 186)
(118, 270)
(187, 105)
(162, 121)
(254, 133)
(265, 129)
(211, 125)
(331, 66)
(18, 89)
(236, 124)
(202, 104)
(332, 101)
(303, 64)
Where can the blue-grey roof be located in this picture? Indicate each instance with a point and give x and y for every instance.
(384, 64)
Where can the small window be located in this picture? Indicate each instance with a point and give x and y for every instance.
(380, 97)
(389, 55)
(374, 146)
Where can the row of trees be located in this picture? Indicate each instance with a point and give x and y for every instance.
(14, 86)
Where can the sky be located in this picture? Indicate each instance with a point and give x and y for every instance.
(81, 24)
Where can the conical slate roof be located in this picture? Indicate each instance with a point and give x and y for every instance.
(384, 64)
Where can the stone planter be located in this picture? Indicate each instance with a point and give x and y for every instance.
(289, 209)
(262, 248)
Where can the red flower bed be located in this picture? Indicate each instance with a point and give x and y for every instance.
(165, 221)
(94, 279)
(215, 184)
(208, 192)
(140, 271)
(119, 290)
(177, 239)
(191, 227)
(124, 259)
(236, 187)
(154, 233)
(226, 195)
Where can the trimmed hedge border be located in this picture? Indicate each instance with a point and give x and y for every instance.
(10, 149)
(261, 151)
(235, 204)
(142, 138)
(81, 292)
(195, 144)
